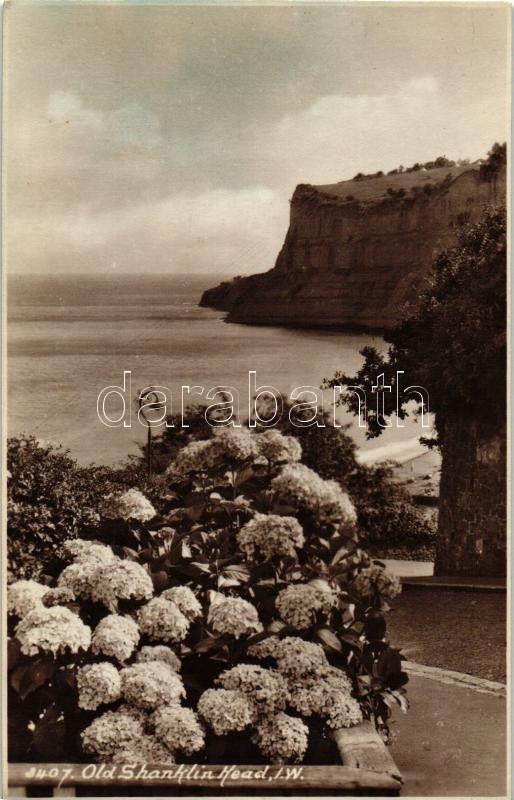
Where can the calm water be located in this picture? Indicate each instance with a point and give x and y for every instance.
(70, 337)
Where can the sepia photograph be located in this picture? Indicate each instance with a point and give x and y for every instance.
(255, 403)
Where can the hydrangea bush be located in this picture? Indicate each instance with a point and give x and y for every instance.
(245, 607)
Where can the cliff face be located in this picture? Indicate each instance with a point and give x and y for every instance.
(357, 253)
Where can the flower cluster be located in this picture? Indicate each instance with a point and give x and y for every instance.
(235, 446)
(159, 652)
(131, 504)
(185, 600)
(98, 574)
(300, 603)
(120, 580)
(266, 688)
(150, 684)
(112, 731)
(59, 595)
(197, 456)
(146, 749)
(24, 596)
(267, 648)
(300, 486)
(52, 630)
(277, 448)
(328, 697)
(375, 581)
(179, 729)
(344, 712)
(115, 636)
(271, 535)
(282, 738)
(79, 577)
(162, 621)
(82, 550)
(226, 710)
(234, 617)
(297, 658)
(98, 684)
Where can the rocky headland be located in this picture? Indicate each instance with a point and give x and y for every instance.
(358, 253)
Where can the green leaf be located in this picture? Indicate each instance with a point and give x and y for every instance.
(13, 653)
(329, 640)
(209, 643)
(49, 735)
(36, 675)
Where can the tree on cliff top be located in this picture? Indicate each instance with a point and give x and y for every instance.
(455, 345)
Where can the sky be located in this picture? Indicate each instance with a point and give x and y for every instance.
(169, 139)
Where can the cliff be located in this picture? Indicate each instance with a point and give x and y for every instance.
(357, 253)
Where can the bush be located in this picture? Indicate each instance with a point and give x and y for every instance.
(248, 609)
(51, 498)
(387, 515)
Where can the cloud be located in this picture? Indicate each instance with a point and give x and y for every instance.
(107, 184)
(220, 230)
(66, 107)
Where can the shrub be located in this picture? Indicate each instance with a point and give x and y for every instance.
(150, 653)
(387, 516)
(49, 499)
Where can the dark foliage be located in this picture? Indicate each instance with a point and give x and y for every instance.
(455, 344)
(50, 498)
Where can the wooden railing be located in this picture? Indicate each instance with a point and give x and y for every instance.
(367, 769)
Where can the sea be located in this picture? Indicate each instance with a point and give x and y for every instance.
(69, 337)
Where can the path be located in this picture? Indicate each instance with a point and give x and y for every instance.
(452, 741)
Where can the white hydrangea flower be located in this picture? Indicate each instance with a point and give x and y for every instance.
(197, 456)
(282, 738)
(185, 599)
(327, 694)
(227, 444)
(120, 580)
(300, 486)
(159, 652)
(111, 732)
(150, 684)
(81, 550)
(375, 580)
(52, 630)
(234, 444)
(131, 504)
(271, 535)
(300, 603)
(267, 689)
(297, 658)
(179, 729)
(344, 712)
(277, 448)
(163, 621)
(226, 710)
(58, 596)
(146, 749)
(79, 577)
(233, 616)
(137, 713)
(98, 684)
(24, 596)
(115, 636)
(268, 648)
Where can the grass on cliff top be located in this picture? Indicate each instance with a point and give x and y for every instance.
(370, 189)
